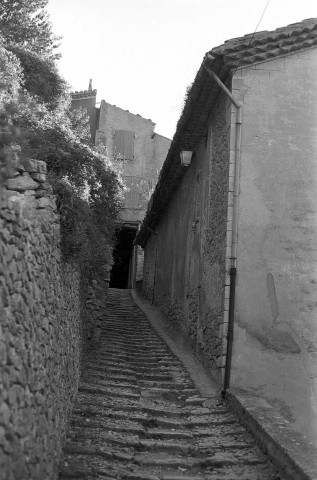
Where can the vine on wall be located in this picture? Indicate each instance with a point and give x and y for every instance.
(35, 119)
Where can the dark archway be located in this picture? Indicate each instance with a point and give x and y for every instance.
(122, 256)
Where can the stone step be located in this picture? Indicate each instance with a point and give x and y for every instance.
(138, 415)
(106, 391)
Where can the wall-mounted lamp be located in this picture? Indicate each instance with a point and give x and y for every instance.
(186, 157)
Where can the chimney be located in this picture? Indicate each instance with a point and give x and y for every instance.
(90, 86)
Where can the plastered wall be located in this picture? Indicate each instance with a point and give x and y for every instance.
(150, 150)
(275, 335)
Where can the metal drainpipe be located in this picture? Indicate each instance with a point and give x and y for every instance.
(233, 267)
(135, 259)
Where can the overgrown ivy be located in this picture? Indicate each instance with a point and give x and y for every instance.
(41, 78)
(35, 100)
(26, 23)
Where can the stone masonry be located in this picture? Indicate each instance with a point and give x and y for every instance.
(187, 279)
(138, 415)
(40, 327)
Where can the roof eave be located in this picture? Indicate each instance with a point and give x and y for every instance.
(193, 123)
(190, 131)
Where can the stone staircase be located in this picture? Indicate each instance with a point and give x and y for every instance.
(138, 415)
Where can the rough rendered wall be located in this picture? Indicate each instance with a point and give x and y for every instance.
(40, 328)
(191, 243)
(275, 337)
(150, 150)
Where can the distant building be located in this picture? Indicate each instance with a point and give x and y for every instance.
(130, 140)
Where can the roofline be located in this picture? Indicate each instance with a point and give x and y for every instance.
(83, 94)
(191, 126)
(162, 136)
(188, 135)
(128, 111)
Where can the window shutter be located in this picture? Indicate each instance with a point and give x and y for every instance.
(124, 144)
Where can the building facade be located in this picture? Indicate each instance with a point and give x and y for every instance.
(233, 262)
(130, 140)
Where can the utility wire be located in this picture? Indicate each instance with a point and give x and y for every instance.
(256, 28)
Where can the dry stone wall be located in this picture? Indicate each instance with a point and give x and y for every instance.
(185, 263)
(41, 327)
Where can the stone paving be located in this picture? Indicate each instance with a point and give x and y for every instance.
(138, 415)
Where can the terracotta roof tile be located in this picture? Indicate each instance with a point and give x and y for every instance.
(192, 125)
(262, 46)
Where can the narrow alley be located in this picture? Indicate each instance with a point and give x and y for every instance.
(138, 414)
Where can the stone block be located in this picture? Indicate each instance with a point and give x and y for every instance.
(45, 202)
(20, 168)
(32, 165)
(223, 330)
(39, 177)
(12, 173)
(28, 208)
(45, 187)
(10, 194)
(29, 165)
(29, 192)
(230, 213)
(21, 183)
(231, 184)
(41, 166)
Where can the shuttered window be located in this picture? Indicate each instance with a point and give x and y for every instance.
(124, 144)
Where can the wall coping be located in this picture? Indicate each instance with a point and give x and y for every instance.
(287, 448)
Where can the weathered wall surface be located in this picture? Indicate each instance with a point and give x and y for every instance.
(189, 276)
(40, 328)
(150, 149)
(275, 344)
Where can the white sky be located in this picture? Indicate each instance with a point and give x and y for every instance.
(142, 54)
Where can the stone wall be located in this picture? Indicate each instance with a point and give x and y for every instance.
(41, 327)
(189, 276)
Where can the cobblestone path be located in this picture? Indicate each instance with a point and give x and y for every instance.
(139, 416)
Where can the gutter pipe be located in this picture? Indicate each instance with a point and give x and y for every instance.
(236, 187)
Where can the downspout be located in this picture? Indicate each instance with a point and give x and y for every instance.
(135, 259)
(236, 187)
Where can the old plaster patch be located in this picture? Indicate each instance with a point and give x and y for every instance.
(278, 339)
(272, 296)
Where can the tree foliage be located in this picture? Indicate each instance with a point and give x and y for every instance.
(10, 83)
(35, 100)
(79, 120)
(41, 77)
(26, 23)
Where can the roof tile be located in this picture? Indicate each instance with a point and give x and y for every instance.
(261, 46)
(191, 127)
